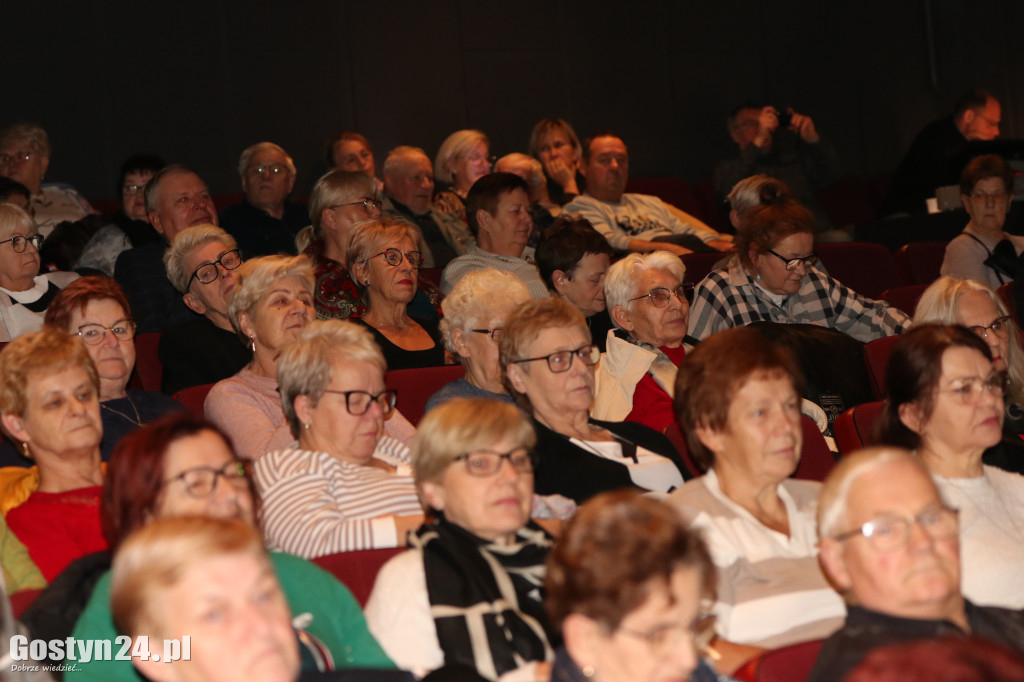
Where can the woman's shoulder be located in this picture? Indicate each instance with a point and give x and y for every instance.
(153, 403)
(277, 466)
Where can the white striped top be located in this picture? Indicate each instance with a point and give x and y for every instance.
(315, 504)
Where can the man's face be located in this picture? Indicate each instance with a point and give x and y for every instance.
(182, 200)
(267, 180)
(412, 183)
(20, 162)
(745, 127)
(983, 124)
(508, 230)
(607, 169)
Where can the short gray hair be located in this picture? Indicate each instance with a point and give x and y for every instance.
(254, 278)
(249, 152)
(337, 187)
(535, 175)
(398, 157)
(620, 284)
(479, 293)
(37, 139)
(153, 186)
(748, 192)
(457, 145)
(13, 218)
(184, 244)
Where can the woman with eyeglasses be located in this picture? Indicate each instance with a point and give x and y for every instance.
(976, 306)
(95, 311)
(548, 359)
(24, 293)
(182, 466)
(772, 277)
(383, 258)
(470, 590)
(944, 400)
(464, 158)
(637, 375)
(345, 485)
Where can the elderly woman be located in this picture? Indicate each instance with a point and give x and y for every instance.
(983, 251)
(385, 263)
(470, 590)
(554, 143)
(637, 375)
(464, 158)
(181, 466)
(95, 310)
(346, 486)
(772, 277)
(542, 209)
(573, 259)
(475, 313)
(944, 399)
(24, 293)
(625, 583)
(49, 403)
(548, 362)
(738, 403)
(25, 157)
(202, 263)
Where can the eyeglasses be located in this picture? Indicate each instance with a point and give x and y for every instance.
(970, 390)
(793, 263)
(358, 403)
(660, 295)
(495, 333)
(18, 242)
(889, 533)
(486, 462)
(998, 327)
(985, 196)
(368, 203)
(393, 257)
(268, 170)
(19, 157)
(93, 333)
(663, 638)
(561, 360)
(132, 190)
(478, 158)
(207, 272)
(200, 482)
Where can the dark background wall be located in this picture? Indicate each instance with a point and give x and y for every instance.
(199, 80)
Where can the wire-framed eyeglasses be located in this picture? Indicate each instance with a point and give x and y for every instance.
(561, 360)
(969, 390)
(998, 327)
(663, 638)
(891, 532)
(368, 203)
(393, 257)
(93, 334)
(358, 403)
(495, 333)
(660, 295)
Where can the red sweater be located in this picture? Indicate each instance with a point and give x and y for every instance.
(651, 405)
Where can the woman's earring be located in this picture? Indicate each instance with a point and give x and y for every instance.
(587, 670)
(366, 283)
(252, 343)
(306, 426)
(758, 278)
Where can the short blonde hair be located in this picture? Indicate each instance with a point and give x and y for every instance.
(43, 353)
(37, 139)
(14, 218)
(480, 293)
(246, 158)
(455, 147)
(620, 284)
(535, 174)
(305, 366)
(254, 278)
(459, 426)
(337, 187)
(546, 126)
(182, 247)
(369, 236)
(158, 555)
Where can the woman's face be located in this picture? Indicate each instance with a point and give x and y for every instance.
(554, 144)
(988, 204)
(114, 358)
(555, 393)
(62, 414)
(393, 282)
(133, 200)
(471, 167)
(491, 507)
(585, 288)
(762, 436)
(332, 428)
(18, 268)
(352, 155)
(201, 454)
(664, 326)
(772, 269)
(281, 313)
(480, 351)
(976, 311)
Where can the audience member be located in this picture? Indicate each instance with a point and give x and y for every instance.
(891, 546)
(498, 209)
(265, 222)
(950, 658)
(350, 151)
(542, 209)
(940, 151)
(634, 222)
(96, 311)
(464, 158)
(944, 400)
(346, 486)
(554, 143)
(548, 362)
(13, 192)
(25, 157)
(409, 193)
(201, 264)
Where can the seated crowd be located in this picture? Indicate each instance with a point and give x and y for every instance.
(601, 487)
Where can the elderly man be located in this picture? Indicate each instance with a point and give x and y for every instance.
(939, 152)
(265, 222)
(891, 545)
(498, 209)
(634, 222)
(409, 193)
(176, 198)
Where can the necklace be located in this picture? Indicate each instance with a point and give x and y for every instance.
(138, 419)
(383, 324)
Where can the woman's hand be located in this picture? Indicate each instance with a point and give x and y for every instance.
(562, 173)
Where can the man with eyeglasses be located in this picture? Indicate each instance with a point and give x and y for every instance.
(891, 545)
(498, 210)
(265, 222)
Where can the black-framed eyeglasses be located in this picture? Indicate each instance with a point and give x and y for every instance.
(998, 327)
(20, 157)
(93, 333)
(663, 638)
(486, 462)
(970, 390)
(201, 481)
(368, 203)
(561, 360)
(358, 403)
(207, 273)
(660, 295)
(393, 257)
(19, 242)
(495, 333)
(891, 532)
(268, 170)
(794, 263)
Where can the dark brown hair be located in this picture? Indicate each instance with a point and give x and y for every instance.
(983, 168)
(778, 217)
